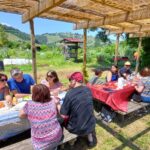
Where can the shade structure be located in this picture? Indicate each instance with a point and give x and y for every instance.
(116, 15)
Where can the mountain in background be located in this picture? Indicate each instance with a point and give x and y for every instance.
(47, 38)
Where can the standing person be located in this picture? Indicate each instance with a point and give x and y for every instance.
(126, 68)
(4, 90)
(19, 83)
(78, 107)
(52, 82)
(112, 74)
(46, 131)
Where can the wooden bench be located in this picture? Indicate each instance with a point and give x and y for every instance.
(26, 144)
(132, 107)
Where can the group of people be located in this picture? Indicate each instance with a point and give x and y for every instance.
(141, 83)
(44, 110)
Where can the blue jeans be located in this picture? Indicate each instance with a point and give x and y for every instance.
(145, 99)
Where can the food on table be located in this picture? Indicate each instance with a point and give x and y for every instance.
(2, 104)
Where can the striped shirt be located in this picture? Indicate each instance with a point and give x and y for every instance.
(146, 82)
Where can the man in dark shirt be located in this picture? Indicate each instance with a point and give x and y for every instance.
(78, 106)
(125, 69)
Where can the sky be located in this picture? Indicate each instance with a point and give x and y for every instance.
(40, 25)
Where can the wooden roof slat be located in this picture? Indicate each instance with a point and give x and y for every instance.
(73, 13)
(66, 15)
(12, 10)
(42, 7)
(90, 7)
(60, 18)
(80, 9)
(124, 5)
(125, 17)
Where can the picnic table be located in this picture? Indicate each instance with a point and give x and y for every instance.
(10, 123)
(108, 93)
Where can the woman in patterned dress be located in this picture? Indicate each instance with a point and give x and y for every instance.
(46, 131)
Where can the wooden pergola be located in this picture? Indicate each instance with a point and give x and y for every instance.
(118, 16)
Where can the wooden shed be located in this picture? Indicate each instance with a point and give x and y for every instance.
(70, 47)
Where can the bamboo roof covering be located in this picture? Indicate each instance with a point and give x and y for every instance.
(131, 16)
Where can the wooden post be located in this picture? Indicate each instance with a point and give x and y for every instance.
(138, 58)
(33, 50)
(84, 54)
(116, 49)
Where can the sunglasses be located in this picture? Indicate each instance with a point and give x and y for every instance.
(3, 80)
(50, 76)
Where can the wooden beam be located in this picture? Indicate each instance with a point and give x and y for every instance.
(84, 53)
(119, 18)
(135, 29)
(33, 50)
(138, 58)
(43, 6)
(56, 17)
(141, 34)
(116, 49)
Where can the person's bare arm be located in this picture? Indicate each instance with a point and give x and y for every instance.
(22, 114)
(139, 88)
(109, 76)
(19, 95)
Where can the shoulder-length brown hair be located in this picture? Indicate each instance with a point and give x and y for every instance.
(40, 93)
(54, 74)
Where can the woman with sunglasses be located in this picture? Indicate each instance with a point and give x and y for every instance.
(52, 82)
(4, 90)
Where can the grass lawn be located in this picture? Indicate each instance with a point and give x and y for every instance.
(133, 134)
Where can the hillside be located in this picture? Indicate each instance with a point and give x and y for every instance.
(47, 38)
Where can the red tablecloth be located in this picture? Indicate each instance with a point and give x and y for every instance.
(116, 99)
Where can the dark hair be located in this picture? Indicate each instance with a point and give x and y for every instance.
(97, 71)
(3, 75)
(145, 72)
(40, 93)
(115, 66)
(54, 74)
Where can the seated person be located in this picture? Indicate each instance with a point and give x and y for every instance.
(4, 90)
(143, 87)
(126, 68)
(97, 79)
(112, 75)
(78, 107)
(46, 132)
(20, 84)
(52, 82)
(122, 80)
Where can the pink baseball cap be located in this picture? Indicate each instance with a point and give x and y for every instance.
(77, 76)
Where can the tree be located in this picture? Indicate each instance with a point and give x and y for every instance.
(101, 36)
(3, 37)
